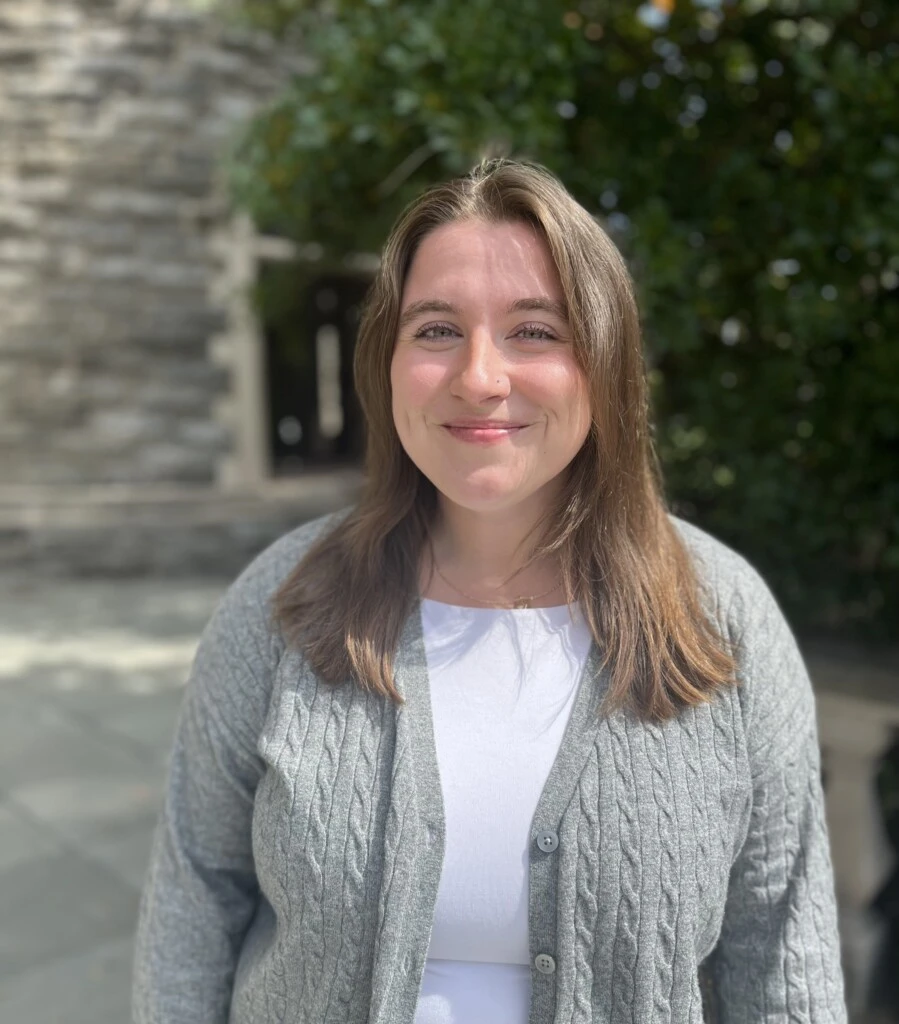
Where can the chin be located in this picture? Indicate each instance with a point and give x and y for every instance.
(483, 496)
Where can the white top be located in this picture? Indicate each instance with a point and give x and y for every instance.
(502, 686)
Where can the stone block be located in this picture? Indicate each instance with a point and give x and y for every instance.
(131, 202)
(234, 108)
(173, 399)
(86, 131)
(101, 389)
(190, 325)
(170, 274)
(94, 811)
(54, 88)
(213, 379)
(13, 279)
(87, 451)
(89, 234)
(23, 250)
(143, 721)
(24, 15)
(126, 852)
(147, 338)
(215, 61)
(105, 38)
(21, 314)
(203, 434)
(17, 56)
(34, 466)
(155, 111)
(43, 747)
(36, 190)
(123, 427)
(21, 840)
(92, 986)
(171, 462)
(169, 244)
(57, 906)
(115, 268)
(62, 383)
(189, 179)
(113, 77)
(43, 156)
(12, 434)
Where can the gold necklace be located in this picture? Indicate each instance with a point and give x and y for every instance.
(518, 602)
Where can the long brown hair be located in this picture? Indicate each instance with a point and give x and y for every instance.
(345, 605)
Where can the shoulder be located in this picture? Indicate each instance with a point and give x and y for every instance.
(242, 622)
(241, 648)
(773, 690)
(268, 570)
(737, 596)
(773, 680)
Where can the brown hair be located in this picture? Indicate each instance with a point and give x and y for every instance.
(345, 605)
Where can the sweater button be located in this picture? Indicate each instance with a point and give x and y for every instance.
(547, 841)
(545, 963)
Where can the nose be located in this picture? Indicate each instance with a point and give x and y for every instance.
(482, 373)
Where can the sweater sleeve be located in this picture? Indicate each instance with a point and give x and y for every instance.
(778, 959)
(201, 890)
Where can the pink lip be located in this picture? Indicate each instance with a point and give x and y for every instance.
(482, 431)
(484, 424)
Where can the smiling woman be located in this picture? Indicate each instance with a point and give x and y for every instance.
(505, 741)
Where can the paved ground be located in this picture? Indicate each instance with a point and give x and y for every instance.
(90, 682)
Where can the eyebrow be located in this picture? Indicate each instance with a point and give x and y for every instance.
(426, 306)
(550, 306)
(537, 303)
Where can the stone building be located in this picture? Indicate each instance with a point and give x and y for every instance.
(133, 419)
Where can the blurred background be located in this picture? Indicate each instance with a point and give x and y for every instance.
(192, 199)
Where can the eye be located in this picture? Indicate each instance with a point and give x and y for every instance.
(535, 332)
(436, 332)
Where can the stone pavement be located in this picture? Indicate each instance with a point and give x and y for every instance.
(91, 674)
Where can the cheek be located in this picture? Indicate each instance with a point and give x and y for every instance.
(561, 387)
(414, 383)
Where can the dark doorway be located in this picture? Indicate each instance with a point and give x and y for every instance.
(309, 325)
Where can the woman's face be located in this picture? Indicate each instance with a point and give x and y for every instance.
(488, 399)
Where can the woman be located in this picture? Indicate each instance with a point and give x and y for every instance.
(504, 742)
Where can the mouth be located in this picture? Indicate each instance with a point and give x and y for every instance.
(483, 432)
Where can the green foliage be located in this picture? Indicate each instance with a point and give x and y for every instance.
(744, 156)
(405, 94)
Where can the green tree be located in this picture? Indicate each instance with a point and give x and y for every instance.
(745, 157)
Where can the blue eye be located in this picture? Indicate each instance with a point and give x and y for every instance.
(435, 332)
(535, 332)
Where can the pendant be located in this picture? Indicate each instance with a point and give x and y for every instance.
(522, 602)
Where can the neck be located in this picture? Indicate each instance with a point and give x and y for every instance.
(486, 555)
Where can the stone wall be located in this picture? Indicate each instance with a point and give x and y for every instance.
(113, 119)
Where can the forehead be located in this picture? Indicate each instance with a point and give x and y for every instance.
(474, 259)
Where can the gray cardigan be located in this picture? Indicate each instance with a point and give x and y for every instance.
(295, 867)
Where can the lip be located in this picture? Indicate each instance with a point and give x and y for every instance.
(475, 424)
(483, 432)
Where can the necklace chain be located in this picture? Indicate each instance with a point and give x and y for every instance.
(518, 602)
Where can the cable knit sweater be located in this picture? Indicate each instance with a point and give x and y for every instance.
(296, 863)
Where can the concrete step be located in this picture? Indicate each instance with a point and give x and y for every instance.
(123, 530)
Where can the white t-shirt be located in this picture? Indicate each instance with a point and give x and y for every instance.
(502, 686)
